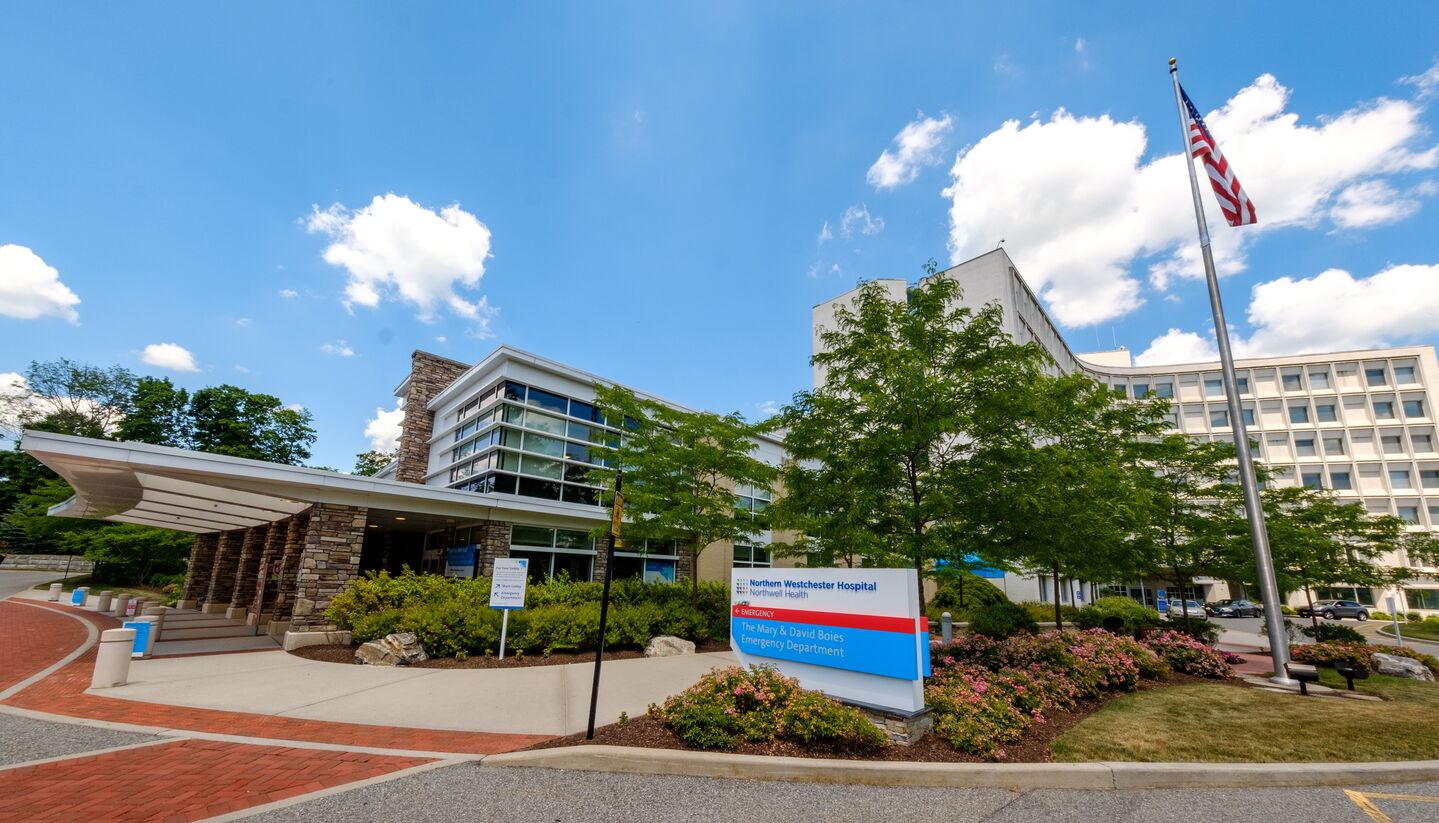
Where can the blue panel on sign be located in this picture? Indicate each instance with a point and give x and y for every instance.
(885, 653)
(142, 636)
(77, 598)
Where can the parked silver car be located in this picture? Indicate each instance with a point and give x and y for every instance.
(1178, 607)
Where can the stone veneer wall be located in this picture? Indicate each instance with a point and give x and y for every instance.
(329, 562)
(270, 558)
(290, 565)
(429, 375)
(494, 542)
(227, 558)
(685, 565)
(247, 567)
(199, 568)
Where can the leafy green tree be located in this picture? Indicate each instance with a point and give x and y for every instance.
(1196, 525)
(159, 414)
(129, 553)
(77, 398)
(912, 389)
(230, 420)
(1063, 490)
(371, 462)
(680, 471)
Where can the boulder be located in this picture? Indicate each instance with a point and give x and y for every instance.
(392, 650)
(1396, 666)
(667, 646)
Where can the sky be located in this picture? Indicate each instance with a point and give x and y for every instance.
(293, 197)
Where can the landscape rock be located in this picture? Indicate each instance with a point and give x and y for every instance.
(392, 650)
(668, 646)
(1396, 666)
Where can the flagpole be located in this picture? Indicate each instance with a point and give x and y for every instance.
(1253, 507)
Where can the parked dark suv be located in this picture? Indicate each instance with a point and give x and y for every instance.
(1234, 608)
(1334, 609)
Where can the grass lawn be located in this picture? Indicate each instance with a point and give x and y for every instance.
(96, 588)
(1223, 722)
(1427, 630)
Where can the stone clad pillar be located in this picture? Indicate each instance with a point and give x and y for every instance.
(270, 561)
(246, 569)
(329, 562)
(198, 569)
(429, 375)
(494, 542)
(289, 565)
(222, 578)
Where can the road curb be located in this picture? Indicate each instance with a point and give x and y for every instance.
(1107, 775)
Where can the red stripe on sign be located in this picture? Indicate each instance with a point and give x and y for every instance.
(903, 625)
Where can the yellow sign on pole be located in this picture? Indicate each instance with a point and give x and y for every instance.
(619, 513)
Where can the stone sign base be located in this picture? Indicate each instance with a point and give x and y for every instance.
(901, 729)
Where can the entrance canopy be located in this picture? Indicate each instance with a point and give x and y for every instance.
(201, 492)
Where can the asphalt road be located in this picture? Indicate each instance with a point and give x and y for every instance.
(478, 793)
(12, 582)
(1369, 628)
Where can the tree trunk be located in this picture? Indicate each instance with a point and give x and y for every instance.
(1058, 615)
(1313, 618)
(919, 580)
(695, 571)
(960, 580)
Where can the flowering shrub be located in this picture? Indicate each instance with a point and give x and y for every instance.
(1185, 654)
(760, 705)
(1357, 654)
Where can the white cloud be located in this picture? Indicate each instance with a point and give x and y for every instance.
(31, 288)
(1081, 50)
(1369, 204)
(916, 146)
(1426, 83)
(289, 294)
(241, 369)
(1081, 207)
(1176, 346)
(243, 322)
(384, 429)
(339, 347)
(768, 408)
(395, 248)
(170, 356)
(857, 218)
(1332, 311)
(442, 339)
(825, 235)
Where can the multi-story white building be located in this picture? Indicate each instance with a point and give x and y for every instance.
(1361, 422)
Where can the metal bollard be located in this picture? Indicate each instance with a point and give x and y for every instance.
(122, 602)
(112, 660)
(158, 612)
(946, 628)
(102, 603)
(55, 589)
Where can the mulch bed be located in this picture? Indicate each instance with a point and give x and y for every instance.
(346, 654)
(646, 732)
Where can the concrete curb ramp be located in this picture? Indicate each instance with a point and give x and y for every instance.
(634, 760)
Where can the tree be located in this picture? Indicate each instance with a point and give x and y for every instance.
(129, 553)
(371, 462)
(1196, 524)
(79, 398)
(680, 470)
(159, 414)
(911, 388)
(1318, 540)
(229, 420)
(1063, 489)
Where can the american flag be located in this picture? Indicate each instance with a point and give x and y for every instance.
(1235, 204)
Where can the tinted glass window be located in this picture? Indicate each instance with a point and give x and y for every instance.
(575, 451)
(544, 445)
(1164, 389)
(503, 483)
(583, 411)
(542, 466)
(546, 400)
(548, 489)
(514, 391)
(580, 494)
(576, 474)
(531, 536)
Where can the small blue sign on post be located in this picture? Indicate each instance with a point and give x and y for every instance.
(142, 636)
(77, 597)
(1163, 601)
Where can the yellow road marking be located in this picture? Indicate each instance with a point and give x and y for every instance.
(1368, 808)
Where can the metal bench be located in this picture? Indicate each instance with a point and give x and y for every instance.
(1351, 672)
(1304, 673)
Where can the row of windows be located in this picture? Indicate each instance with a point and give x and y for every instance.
(1400, 480)
(1291, 381)
(1336, 445)
(502, 483)
(1301, 413)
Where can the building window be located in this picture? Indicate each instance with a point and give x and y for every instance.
(1375, 377)
(1340, 481)
(750, 501)
(1334, 445)
(747, 557)
(1422, 598)
(554, 552)
(1399, 479)
(1141, 390)
(1213, 387)
(1242, 383)
(1393, 444)
(1325, 413)
(1422, 442)
(1292, 382)
(1384, 409)
(1171, 418)
(1413, 408)
(1299, 414)
(1218, 418)
(1304, 447)
(1429, 478)
(1318, 380)
(1404, 374)
(1409, 514)
(1163, 389)
(652, 560)
(1362, 594)
(1434, 514)
(1248, 416)
(1312, 480)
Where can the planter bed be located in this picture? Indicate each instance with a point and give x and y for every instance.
(346, 654)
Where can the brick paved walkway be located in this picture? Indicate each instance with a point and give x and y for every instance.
(184, 780)
(64, 693)
(27, 651)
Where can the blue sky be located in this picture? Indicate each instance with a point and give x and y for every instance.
(643, 190)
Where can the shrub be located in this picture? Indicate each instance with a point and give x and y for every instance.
(1379, 615)
(1135, 616)
(972, 589)
(1185, 654)
(1044, 612)
(1332, 633)
(1328, 654)
(1003, 619)
(760, 705)
(1198, 628)
(1287, 610)
(1416, 617)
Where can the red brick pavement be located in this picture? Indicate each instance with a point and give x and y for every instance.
(63, 692)
(27, 652)
(185, 780)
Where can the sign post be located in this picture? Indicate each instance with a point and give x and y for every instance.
(616, 517)
(259, 604)
(507, 591)
(1394, 615)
